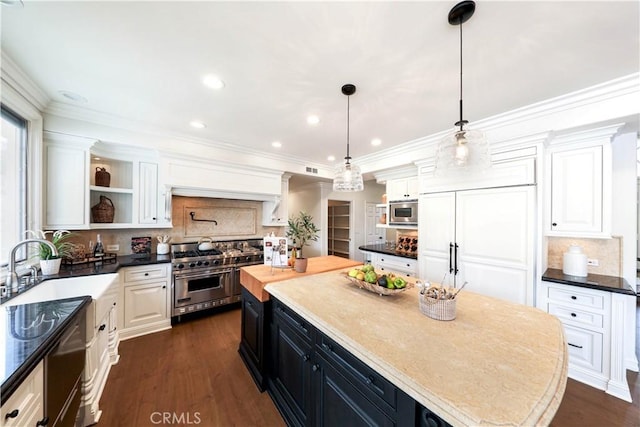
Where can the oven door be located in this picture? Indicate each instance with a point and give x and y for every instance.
(197, 287)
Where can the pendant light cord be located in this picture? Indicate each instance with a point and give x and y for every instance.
(348, 157)
(462, 122)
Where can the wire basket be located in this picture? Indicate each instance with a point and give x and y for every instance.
(438, 309)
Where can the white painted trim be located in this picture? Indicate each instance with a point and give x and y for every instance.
(13, 76)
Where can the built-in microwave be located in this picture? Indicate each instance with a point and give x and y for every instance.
(403, 212)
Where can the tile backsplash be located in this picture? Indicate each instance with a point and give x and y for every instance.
(608, 252)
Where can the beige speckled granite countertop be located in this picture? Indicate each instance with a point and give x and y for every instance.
(496, 364)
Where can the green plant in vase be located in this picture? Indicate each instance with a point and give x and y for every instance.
(50, 263)
(302, 230)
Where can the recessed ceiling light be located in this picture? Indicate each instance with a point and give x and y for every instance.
(313, 120)
(276, 144)
(213, 82)
(198, 125)
(331, 158)
(375, 142)
(71, 96)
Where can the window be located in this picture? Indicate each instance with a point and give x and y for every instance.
(13, 181)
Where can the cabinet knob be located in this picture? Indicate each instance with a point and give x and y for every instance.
(554, 224)
(154, 218)
(574, 297)
(43, 422)
(315, 367)
(573, 315)
(102, 327)
(306, 357)
(146, 274)
(12, 414)
(369, 380)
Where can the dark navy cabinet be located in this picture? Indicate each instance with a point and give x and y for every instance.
(315, 382)
(254, 338)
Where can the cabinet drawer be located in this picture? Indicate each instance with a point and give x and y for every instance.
(363, 377)
(583, 317)
(585, 347)
(577, 297)
(104, 304)
(27, 400)
(145, 273)
(293, 320)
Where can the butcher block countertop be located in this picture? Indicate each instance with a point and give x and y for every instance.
(254, 278)
(497, 364)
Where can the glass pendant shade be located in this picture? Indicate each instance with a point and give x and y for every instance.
(348, 177)
(463, 151)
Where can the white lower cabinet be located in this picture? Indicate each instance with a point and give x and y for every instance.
(593, 332)
(146, 299)
(25, 407)
(402, 266)
(102, 352)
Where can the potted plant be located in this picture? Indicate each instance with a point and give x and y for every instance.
(302, 230)
(49, 263)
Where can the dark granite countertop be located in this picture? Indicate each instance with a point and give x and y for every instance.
(29, 332)
(110, 266)
(592, 281)
(381, 248)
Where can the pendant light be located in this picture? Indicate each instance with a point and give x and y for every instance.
(348, 176)
(465, 150)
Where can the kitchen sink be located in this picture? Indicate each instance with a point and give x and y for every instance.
(68, 287)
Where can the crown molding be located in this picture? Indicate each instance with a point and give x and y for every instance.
(13, 76)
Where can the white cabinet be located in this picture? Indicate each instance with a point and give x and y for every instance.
(102, 352)
(579, 184)
(133, 190)
(148, 195)
(275, 213)
(483, 237)
(401, 189)
(594, 332)
(146, 299)
(66, 192)
(401, 266)
(25, 407)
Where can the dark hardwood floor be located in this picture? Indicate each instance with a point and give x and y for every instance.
(193, 375)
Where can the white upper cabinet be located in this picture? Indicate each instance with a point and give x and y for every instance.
(76, 198)
(148, 206)
(579, 169)
(66, 189)
(402, 189)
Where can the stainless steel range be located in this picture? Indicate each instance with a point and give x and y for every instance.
(211, 278)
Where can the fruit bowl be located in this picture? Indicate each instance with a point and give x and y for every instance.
(376, 289)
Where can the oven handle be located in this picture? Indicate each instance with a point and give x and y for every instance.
(202, 274)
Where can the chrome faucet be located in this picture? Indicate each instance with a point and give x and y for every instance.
(12, 277)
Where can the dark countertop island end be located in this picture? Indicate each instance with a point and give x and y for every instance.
(381, 248)
(592, 281)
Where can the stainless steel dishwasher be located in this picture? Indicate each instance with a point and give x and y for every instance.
(63, 373)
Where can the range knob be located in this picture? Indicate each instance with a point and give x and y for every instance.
(192, 264)
(181, 265)
(199, 263)
(206, 263)
(216, 261)
(236, 259)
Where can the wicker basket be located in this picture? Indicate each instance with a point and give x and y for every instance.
(103, 178)
(103, 212)
(438, 309)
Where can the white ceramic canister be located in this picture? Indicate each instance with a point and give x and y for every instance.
(163, 248)
(575, 262)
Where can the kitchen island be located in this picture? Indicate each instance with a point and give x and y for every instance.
(497, 363)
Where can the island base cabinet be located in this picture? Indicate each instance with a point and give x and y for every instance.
(290, 382)
(315, 382)
(25, 407)
(339, 402)
(253, 343)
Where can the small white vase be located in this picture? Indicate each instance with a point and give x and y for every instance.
(50, 267)
(163, 249)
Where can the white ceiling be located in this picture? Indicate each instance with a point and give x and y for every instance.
(281, 61)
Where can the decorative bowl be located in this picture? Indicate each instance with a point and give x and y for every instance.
(373, 287)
